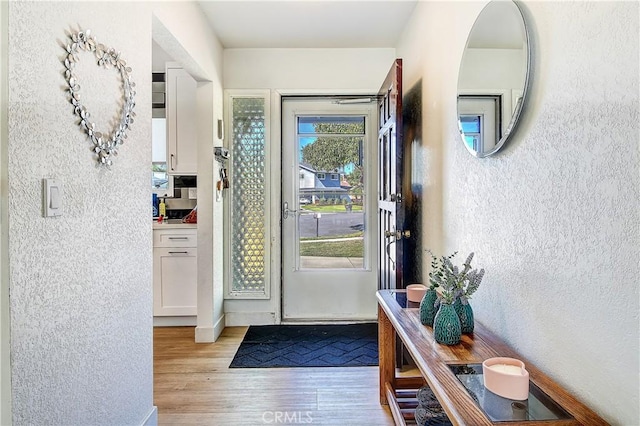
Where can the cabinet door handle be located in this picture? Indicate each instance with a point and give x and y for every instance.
(171, 164)
(178, 252)
(178, 238)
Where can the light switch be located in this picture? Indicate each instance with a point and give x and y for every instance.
(51, 198)
(55, 198)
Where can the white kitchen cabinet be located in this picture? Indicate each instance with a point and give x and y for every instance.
(182, 149)
(175, 237)
(175, 273)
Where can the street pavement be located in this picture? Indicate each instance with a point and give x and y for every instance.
(330, 224)
(317, 262)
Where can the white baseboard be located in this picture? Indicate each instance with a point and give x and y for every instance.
(205, 334)
(174, 321)
(152, 418)
(218, 327)
(210, 334)
(235, 319)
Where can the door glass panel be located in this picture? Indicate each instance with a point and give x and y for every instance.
(330, 192)
(248, 209)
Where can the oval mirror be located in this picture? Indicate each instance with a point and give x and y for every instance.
(493, 78)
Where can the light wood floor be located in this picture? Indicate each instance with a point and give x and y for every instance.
(194, 386)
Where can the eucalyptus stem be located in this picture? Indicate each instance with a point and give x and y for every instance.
(455, 283)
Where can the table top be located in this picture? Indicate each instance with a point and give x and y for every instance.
(434, 361)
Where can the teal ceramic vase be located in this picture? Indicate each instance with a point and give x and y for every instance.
(465, 314)
(427, 310)
(446, 325)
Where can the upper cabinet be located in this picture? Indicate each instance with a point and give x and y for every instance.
(182, 149)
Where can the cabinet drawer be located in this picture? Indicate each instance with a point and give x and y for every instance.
(175, 238)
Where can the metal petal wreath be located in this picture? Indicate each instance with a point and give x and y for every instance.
(105, 146)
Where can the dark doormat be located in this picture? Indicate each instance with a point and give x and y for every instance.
(350, 345)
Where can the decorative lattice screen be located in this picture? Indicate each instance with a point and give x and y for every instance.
(248, 196)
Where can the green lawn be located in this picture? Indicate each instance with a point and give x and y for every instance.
(348, 248)
(329, 208)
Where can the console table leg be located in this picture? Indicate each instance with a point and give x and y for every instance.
(386, 354)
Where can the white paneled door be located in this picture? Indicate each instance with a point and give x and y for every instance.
(328, 209)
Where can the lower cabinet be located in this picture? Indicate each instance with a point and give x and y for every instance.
(175, 274)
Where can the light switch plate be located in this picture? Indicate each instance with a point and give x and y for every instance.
(52, 196)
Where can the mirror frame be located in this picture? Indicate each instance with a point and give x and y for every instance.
(515, 117)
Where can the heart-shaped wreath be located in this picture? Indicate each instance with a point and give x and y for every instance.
(105, 146)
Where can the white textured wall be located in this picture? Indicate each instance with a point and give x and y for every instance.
(307, 69)
(555, 217)
(5, 331)
(182, 30)
(81, 284)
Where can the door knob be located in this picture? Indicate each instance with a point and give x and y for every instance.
(398, 235)
(286, 210)
(396, 198)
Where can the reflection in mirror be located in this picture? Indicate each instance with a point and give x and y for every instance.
(493, 78)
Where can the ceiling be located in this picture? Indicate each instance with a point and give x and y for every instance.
(308, 23)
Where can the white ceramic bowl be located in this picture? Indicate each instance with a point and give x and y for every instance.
(506, 377)
(415, 292)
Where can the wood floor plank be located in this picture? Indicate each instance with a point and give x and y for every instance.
(193, 385)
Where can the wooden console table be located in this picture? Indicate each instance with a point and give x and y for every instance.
(433, 361)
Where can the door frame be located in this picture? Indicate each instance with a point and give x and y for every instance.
(275, 175)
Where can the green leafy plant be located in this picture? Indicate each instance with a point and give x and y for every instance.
(437, 269)
(454, 282)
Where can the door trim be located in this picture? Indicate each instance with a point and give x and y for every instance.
(245, 311)
(276, 178)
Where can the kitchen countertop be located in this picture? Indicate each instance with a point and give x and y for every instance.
(174, 224)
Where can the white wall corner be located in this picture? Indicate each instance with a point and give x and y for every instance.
(210, 334)
(152, 417)
(218, 327)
